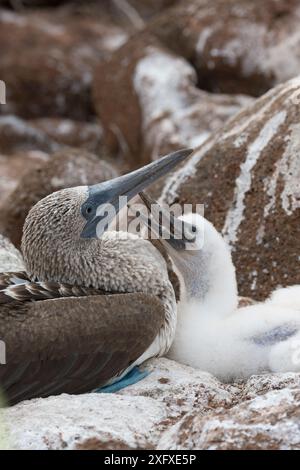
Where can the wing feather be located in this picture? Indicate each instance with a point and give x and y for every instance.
(73, 345)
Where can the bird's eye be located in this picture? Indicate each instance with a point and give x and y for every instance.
(194, 229)
(88, 209)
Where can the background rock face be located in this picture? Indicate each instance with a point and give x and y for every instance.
(13, 167)
(236, 46)
(17, 135)
(65, 169)
(86, 135)
(247, 175)
(53, 73)
(165, 109)
(10, 257)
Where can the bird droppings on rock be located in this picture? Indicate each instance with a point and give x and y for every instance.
(68, 421)
(10, 257)
(236, 47)
(60, 49)
(267, 422)
(79, 134)
(165, 109)
(192, 410)
(17, 135)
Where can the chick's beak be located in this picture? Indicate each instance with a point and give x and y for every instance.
(175, 233)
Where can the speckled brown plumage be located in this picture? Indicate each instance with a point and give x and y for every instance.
(17, 287)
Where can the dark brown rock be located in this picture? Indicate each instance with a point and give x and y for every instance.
(17, 135)
(144, 8)
(31, 3)
(236, 46)
(47, 135)
(247, 176)
(86, 135)
(149, 8)
(64, 169)
(157, 106)
(268, 422)
(47, 60)
(13, 167)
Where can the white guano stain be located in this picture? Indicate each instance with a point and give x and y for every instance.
(2, 92)
(271, 98)
(203, 38)
(288, 169)
(163, 83)
(235, 214)
(180, 176)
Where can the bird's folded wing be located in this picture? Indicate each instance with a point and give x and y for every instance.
(73, 345)
(13, 278)
(18, 287)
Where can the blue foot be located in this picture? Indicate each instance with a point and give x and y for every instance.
(134, 376)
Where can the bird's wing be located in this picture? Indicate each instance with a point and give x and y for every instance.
(17, 286)
(13, 278)
(275, 335)
(73, 345)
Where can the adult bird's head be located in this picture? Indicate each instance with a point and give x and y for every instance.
(66, 224)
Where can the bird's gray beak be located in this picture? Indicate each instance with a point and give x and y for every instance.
(175, 233)
(105, 200)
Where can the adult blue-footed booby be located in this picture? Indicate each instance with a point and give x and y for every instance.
(87, 310)
(212, 333)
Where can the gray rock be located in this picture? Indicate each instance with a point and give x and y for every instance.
(10, 257)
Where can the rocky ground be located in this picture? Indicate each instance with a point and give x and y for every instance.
(175, 407)
(96, 88)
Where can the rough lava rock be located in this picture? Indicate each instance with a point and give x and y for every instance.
(69, 421)
(86, 135)
(59, 50)
(130, 9)
(47, 135)
(17, 135)
(10, 257)
(147, 9)
(13, 167)
(158, 108)
(236, 46)
(248, 176)
(268, 422)
(182, 388)
(65, 169)
(144, 411)
(175, 407)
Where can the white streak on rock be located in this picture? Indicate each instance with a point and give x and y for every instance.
(288, 169)
(243, 183)
(182, 174)
(164, 85)
(10, 257)
(202, 40)
(274, 95)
